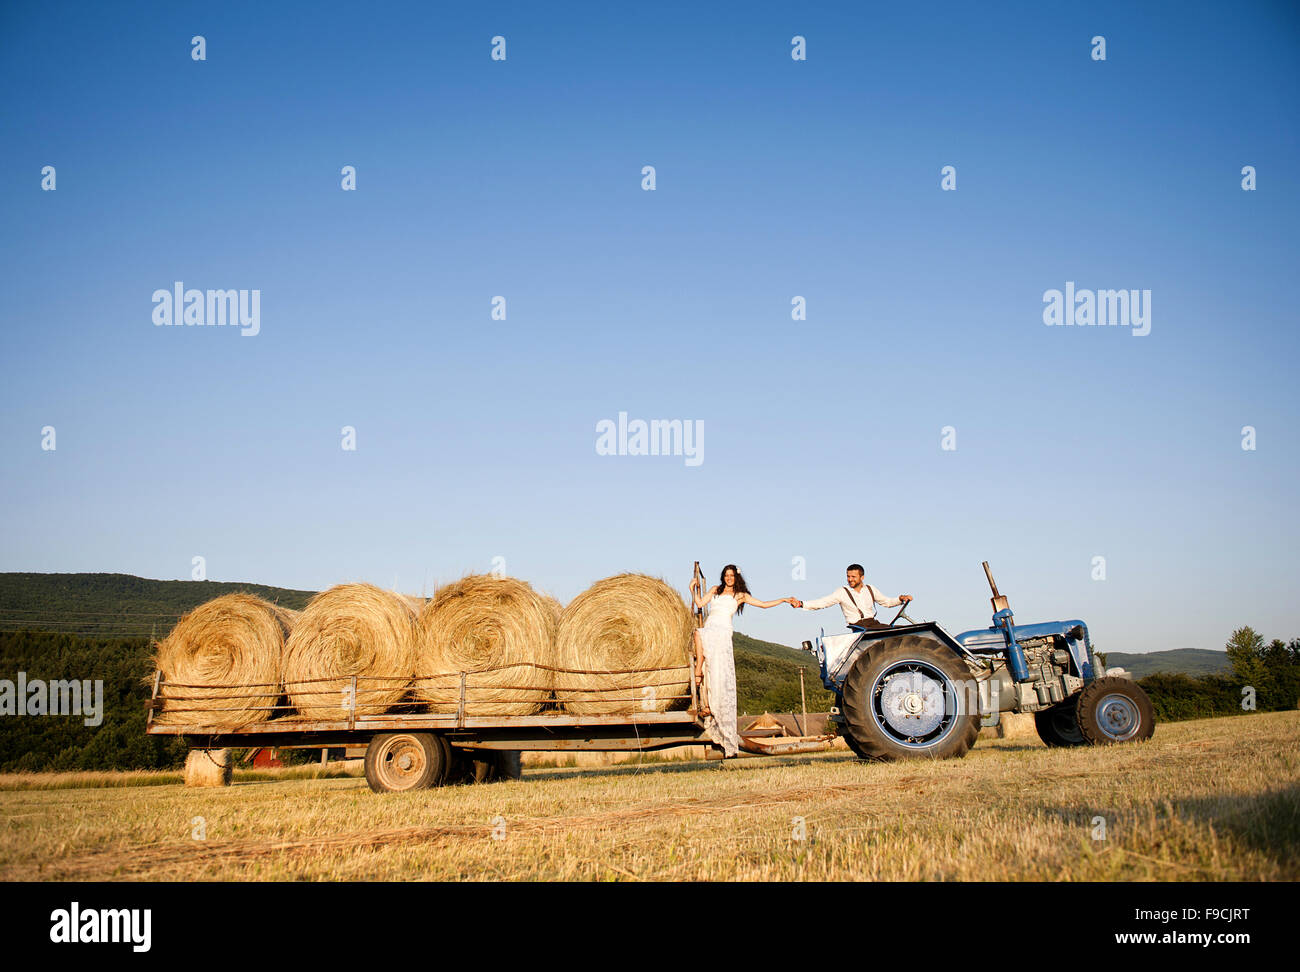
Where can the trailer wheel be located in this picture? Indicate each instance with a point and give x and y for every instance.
(471, 766)
(484, 766)
(397, 761)
(482, 770)
(1059, 725)
(1115, 710)
(906, 699)
(500, 764)
(510, 765)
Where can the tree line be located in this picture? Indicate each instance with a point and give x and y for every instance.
(1265, 677)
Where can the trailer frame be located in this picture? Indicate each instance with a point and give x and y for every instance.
(545, 731)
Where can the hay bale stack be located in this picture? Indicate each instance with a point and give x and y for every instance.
(351, 629)
(617, 625)
(495, 629)
(227, 648)
(208, 767)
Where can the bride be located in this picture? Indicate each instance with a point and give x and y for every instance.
(713, 648)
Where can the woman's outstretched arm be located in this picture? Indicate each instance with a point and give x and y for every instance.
(750, 599)
(695, 595)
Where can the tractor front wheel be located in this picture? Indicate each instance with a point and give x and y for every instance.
(1115, 710)
(909, 698)
(1059, 725)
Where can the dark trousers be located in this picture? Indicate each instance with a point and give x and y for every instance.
(868, 623)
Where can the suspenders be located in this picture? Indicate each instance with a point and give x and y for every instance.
(862, 613)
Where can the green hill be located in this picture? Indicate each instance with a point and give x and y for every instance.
(114, 605)
(67, 742)
(1178, 661)
(767, 678)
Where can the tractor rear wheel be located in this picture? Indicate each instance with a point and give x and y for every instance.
(907, 699)
(398, 761)
(853, 744)
(1059, 725)
(1115, 710)
(842, 730)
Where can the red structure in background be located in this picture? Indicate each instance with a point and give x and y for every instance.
(266, 759)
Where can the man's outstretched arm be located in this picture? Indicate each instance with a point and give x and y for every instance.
(886, 601)
(821, 602)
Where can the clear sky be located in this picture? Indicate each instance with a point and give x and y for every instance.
(775, 178)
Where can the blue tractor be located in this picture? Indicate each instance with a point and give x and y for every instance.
(907, 691)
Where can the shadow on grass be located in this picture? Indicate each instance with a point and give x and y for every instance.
(631, 768)
(1005, 747)
(738, 765)
(1267, 821)
(260, 780)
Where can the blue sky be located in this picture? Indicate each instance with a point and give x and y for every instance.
(775, 178)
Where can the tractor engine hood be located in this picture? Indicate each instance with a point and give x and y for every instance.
(1074, 632)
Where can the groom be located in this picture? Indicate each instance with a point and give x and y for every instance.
(858, 600)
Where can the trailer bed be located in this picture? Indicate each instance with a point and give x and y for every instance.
(543, 731)
(290, 728)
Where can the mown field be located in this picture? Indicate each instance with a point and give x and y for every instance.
(1216, 799)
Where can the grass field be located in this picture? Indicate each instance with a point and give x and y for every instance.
(1216, 799)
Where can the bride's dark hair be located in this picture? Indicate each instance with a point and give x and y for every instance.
(739, 586)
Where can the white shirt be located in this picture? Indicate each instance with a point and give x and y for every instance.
(857, 604)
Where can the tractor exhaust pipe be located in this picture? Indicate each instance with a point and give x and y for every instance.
(998, 601)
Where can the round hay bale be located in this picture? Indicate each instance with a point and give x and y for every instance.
(611, 633)
(495, 629)
(1018, 725)
(555, 606)
(222, 650)
(208, 767)
(351, 629)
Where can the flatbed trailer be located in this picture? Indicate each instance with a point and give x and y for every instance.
(414, 748)
(414, 744)
(645, 731)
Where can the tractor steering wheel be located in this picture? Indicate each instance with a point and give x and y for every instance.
(902, 613)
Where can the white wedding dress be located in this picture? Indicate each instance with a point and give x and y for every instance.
(720, 674)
